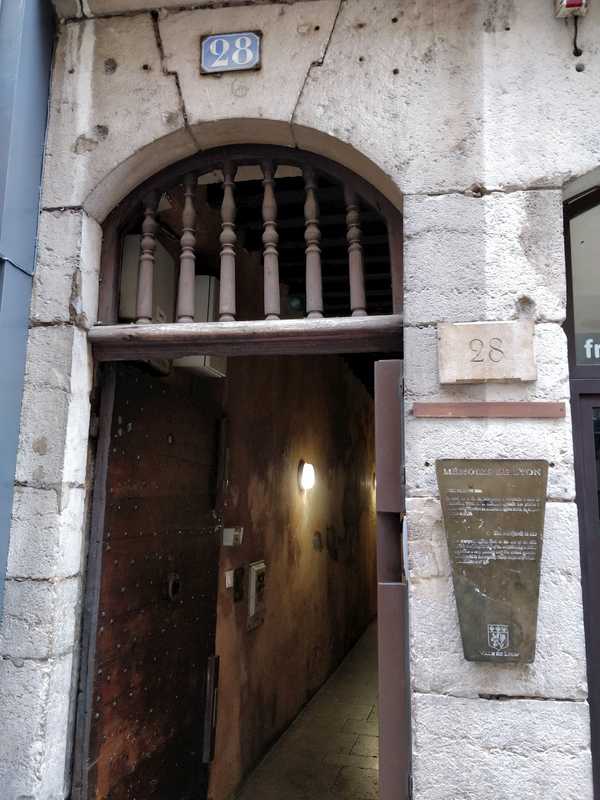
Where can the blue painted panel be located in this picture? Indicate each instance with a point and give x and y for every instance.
(26, 35)
(15, 294)
(26, 39)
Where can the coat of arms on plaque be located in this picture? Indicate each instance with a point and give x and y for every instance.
(498, 638)
(494, 519)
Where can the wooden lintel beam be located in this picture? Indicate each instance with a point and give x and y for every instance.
(273, 337)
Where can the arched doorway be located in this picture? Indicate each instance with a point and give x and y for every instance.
(235, 254)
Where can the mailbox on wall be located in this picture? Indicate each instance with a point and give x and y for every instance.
(257, 573)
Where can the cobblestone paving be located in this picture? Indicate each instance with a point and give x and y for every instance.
(330, 752)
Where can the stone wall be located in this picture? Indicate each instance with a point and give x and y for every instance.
(319, 546)
(474, 113)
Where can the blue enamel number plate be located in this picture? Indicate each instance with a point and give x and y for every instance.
(229, 52)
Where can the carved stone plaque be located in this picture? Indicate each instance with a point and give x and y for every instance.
(494, 518)
(484, 352)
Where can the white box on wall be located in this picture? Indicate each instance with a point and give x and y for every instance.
(206, 309)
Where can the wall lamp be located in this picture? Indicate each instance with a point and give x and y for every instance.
(306, 476)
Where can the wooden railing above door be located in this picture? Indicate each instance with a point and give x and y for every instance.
(346, 275)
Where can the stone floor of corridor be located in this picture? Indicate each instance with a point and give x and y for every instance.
(330, 752)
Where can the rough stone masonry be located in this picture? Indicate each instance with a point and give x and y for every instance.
(474, 117)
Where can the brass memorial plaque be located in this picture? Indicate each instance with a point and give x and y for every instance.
(494, 519)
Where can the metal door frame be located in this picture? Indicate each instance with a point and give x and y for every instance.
(586, 397)
(585, 385)
(392, 589)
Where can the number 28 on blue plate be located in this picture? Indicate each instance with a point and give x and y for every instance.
(228, 52)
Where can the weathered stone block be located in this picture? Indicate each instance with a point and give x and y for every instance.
(33, 747)
(437, 662)
(489, 258)
(428, 552)
(46, 539)
(39, 618)
(93, 136)
(300, 30)
(479, 749)
(58, 722)
(55, 410)
(124, 6)
(66, 9)
(444, 90)
(421, 143)
(50, 357)
(517, 119)
(76, 440)
(431, 439)
(44, 418)
(422, 380)
(65, 285)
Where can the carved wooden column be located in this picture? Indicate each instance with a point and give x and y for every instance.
(270, 240)
(187, 262)
(312, 237)
(144, 301)
(358, 302)
(228, 240)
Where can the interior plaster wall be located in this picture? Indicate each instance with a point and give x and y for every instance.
(475, 112)
(319, 546)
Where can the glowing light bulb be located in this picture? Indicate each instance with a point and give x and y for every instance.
(306, 476)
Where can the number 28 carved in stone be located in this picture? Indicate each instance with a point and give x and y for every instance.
(478, 352)
(490, 350)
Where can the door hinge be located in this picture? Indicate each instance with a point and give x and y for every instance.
(410, 787)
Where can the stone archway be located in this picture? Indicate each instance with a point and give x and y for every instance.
(346, 200)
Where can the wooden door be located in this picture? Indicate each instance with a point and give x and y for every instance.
(156, 591)
(392, 594)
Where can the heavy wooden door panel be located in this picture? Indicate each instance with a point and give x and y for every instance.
(392, 595)
(157, 590)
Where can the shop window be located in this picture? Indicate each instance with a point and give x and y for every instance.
(584, 234)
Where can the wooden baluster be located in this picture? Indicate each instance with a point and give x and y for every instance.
(270, 239)
(312, 237)
(187, 262)
(358, 302)
(144, 301)
(228, 239)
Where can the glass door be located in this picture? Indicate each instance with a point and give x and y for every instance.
(587, 454)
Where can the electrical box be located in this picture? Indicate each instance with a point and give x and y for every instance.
(206, 303)
(257, 573)
(571, 8)
(232, 537)
(163, 289)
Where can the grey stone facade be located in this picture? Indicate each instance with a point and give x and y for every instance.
(473, 117)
